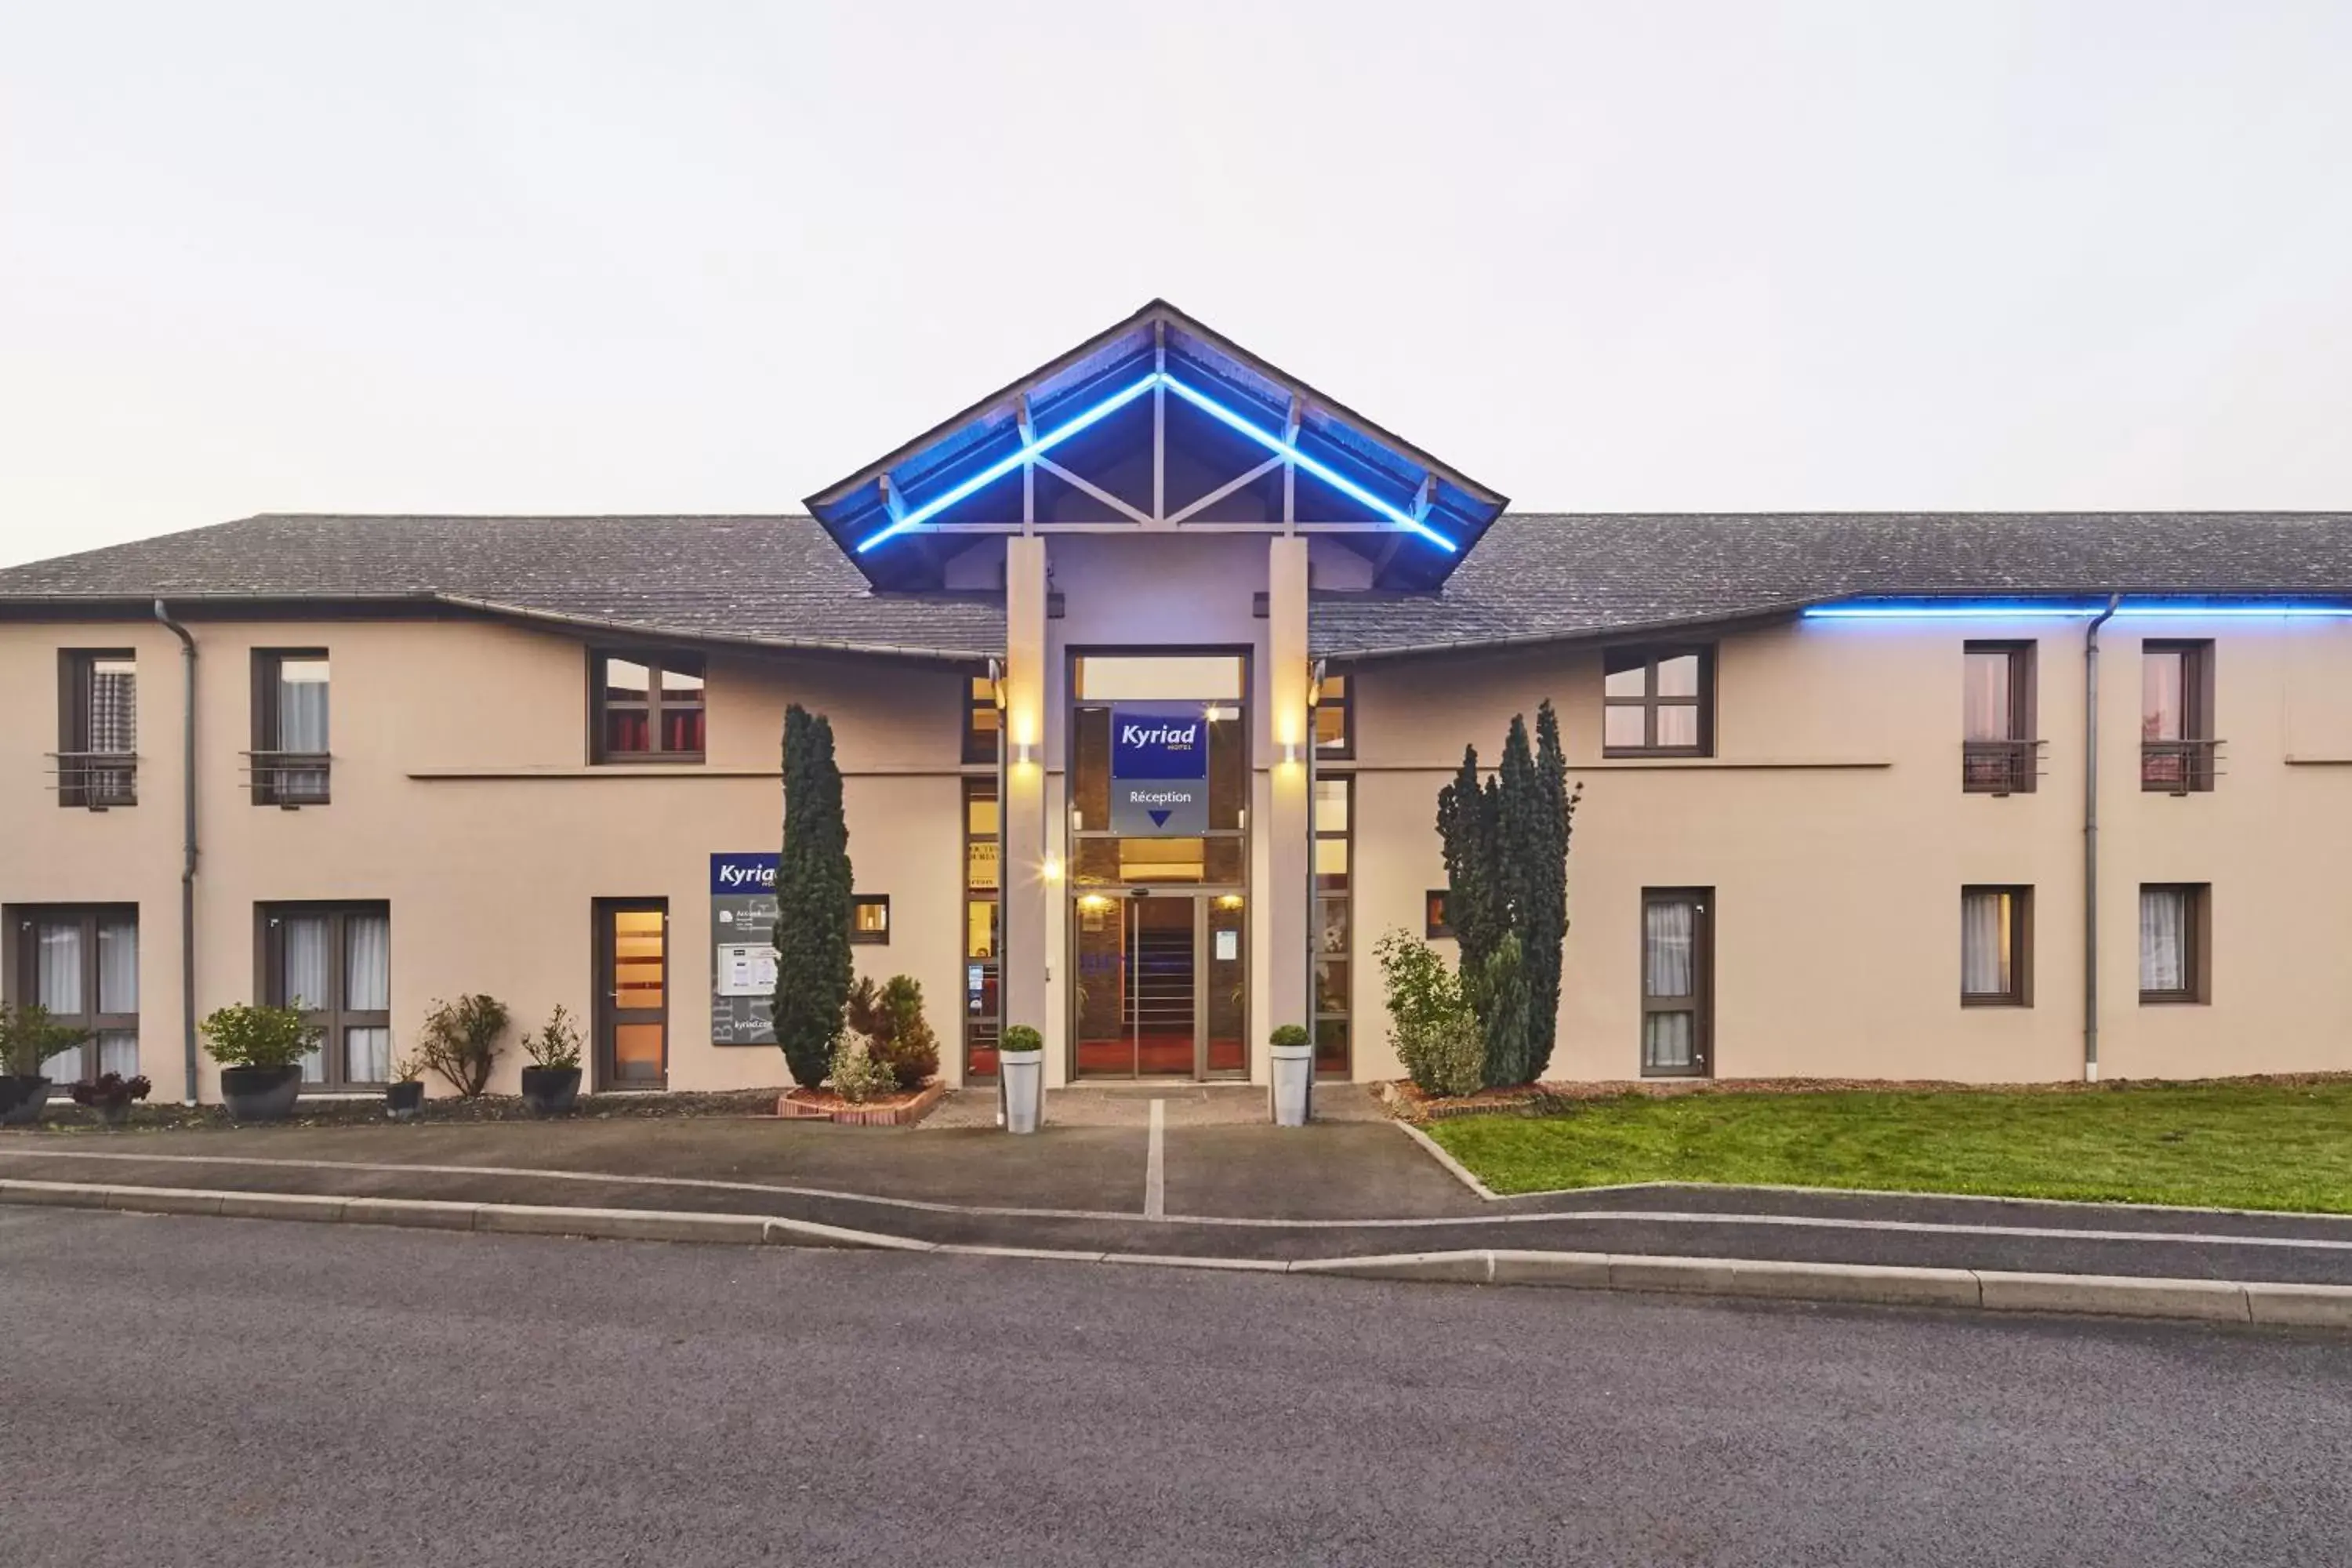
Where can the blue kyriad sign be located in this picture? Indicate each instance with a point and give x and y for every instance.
(742, 875)
(1159, 772)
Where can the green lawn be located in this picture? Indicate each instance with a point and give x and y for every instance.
(2264, 1146)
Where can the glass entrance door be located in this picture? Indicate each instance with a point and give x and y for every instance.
(633, 994)
(1162, 985)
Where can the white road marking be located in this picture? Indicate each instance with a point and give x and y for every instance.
(1155, 1165)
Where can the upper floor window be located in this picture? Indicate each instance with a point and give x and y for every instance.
(1998, 753)
(1657, 702)
(648, 707)
(2176, 716)
(333, 963)
(98, 728)
(982, 721)
(290, 763)
(82, 964)
(1334, 719)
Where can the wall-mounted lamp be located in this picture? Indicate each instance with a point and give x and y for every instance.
(1293, 753)
(1021, 753)
(1050, 869)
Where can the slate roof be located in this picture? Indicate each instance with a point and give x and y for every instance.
(781, 581)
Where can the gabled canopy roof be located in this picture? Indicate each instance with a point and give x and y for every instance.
(1157, 423)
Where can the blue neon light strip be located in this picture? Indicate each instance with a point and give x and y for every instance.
(1120, 399)
(1004, 466)
(2149, 609)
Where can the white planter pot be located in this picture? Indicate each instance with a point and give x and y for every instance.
(1294, 1084)
(1023, 1073)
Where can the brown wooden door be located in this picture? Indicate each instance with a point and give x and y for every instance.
(632, 993)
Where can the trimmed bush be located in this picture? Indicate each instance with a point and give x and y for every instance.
(812, 891)
(1291, 1035)
(1021, 1037)
(239, 1036)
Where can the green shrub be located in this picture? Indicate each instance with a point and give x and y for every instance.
(890, 1019)
(1021, 1037)
(460, 1041)
(29, 1036)
(858, 1075)
(557, 1042)
(1291, 1035)
(1436, 1032)
(258, 1037)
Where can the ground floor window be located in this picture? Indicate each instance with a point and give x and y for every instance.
(1677, 983)
(984, 938)
(1334, 919)
(1996, 946)
(332, 963)
(2174, 923)
(82, 965)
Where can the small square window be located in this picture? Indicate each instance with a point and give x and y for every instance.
(1434, 916)
(1657, 702)
(648, 708)
(869, 918)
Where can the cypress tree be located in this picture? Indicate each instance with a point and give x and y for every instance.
(1547, 887)
(1517, 846)
(813, 892)
(1464, 812)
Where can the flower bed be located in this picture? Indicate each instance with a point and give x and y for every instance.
(880, 1111)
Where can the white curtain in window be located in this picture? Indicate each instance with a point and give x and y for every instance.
(113, 706)
(118, 964)
(58, 983)
(1667, 929)
(1666, 1040)
(2161, 701)
(304, 941)
(118, 1051)
(2163, 939)
(367, 962)
(1984, 944)
(367, 1055)
(1985, 693)
(302, 721)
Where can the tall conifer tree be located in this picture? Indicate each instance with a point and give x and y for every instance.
(812, 891)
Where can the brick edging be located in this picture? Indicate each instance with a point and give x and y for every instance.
(904, 1114)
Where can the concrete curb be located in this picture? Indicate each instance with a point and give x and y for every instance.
(2199, 1300)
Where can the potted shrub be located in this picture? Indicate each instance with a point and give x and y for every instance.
(405, 1093)
(28, 1039)
(550, 1085)
(460, 1041)
(260, 1052)
(1294, 1075)
(111, 1094)
(1021, 1069)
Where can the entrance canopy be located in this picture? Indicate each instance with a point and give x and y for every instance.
(1158, 423)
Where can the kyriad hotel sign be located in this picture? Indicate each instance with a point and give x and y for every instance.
(1159, 773)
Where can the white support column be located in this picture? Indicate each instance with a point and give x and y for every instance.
(1029, 881)
(1284, 901)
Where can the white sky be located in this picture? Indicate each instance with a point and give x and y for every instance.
(574, 257)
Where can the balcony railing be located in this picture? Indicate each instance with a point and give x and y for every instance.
(1999, 767)
(2177, 767)
(289, 779)
(97, 780)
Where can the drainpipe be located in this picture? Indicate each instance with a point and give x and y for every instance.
(187, 848)
(2091, 841)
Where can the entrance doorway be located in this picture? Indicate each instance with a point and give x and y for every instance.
(1162, 985)
(632, 992)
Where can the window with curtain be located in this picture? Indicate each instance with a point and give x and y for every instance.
(290, 764)
(648, 708)
(1657, 702)
(2176, 716)
(1676, 955)
(82, 964)
(332, 963)
(2172, 942)
(1995, 946)
(98, 729)
(1998, 755)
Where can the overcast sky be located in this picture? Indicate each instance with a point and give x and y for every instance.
(679, 256)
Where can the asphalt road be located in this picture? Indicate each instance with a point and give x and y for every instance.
(193, 1392)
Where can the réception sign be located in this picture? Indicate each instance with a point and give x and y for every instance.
(742, 950)
(1159, 772)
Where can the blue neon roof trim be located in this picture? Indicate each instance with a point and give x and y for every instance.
(1999, 611)
(1005, 465)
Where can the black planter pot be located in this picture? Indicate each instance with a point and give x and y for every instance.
(260, 1094)
(21, 1100)
(551, 1091)
(401, 1100)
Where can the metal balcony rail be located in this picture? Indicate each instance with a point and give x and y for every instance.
(2177, 767)
(97, 780)
(1999, 767)
(289, 778)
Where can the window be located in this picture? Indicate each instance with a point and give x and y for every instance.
(98, 728)
(2175, 926)
(648, 709)
(982, 721)
(1677, 982)
(1434, 920)
(869, 918)
(1334, 811)
(1334, 719)
(2176, 716)
(983, 933)
(1657, 703)
(290, 727)
(82, 964)
(333, 963)
(1998, 755)
(1996, 947)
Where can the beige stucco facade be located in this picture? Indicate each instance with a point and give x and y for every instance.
(1829, 823)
